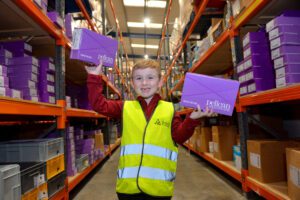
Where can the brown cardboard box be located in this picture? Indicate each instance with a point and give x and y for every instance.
(224, 137)
(266, 159)
(293, 172)
(99, 141)
(194, 138)
(203, 139)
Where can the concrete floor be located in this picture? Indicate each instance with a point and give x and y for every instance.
(195, 180)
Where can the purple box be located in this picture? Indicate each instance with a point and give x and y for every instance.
(22, 84)
(56, 18)
(3, 70)
(16, 94)
(5, 91)
(282, 21)
(285, 49)
(287, 69)
(28, 92)
(18, 48)
(255, 38)
(24, 76)
(31, 98)
(13, 69)
(46, 88)
(89, 46)
(260, 84)
(5, 53)
(286, 59)
(4, 81)
(68, 25)
(4, 61)
(215, 93)
(47, 98)
(24, 60)
(47, 78)
(284, 30)
(288, 79)
(256, 49)
(259, 61)
(285, 40)
(259, 72)
(46, 65)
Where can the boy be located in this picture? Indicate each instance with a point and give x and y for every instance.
(150, 131)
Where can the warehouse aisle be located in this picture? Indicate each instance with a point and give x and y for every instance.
(195, 180)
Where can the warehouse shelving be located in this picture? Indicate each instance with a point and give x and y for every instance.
(75, 112)
(212, 63)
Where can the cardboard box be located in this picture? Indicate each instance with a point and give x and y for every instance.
(194, 138)
(293, 172)
(99, 141)
(205, 136)
(89, 46)
(266, 159)
(215, 93)
(224, 138)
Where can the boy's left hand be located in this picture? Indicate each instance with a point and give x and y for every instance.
(197, 114)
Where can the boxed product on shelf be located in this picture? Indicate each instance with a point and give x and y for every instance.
(31, 150)
(3, 70)
(256, 50)
(89, 46)
(68, 25)
(237, 160)
(293, 172)
(47, 98)
(286, 70)
(56, 18)
(286, 59)
(16, 94)
(282, 21)
(284, 30)
(285, 40)
(205, 136)
(243, 89)
(285, 50)
(259, 84)
(22, 69)
(255, 38)
(5, 53)
(19, 77)
(28, 60)
(18, 48)
(215, 93)
(224, 138)
(99, 141)
(82, 162)
(4, 81)
(4, 61)
(266, 159)
(55, 165)
(56, 184)
(288, 79)
(46, 65)
(10, 182)
(5, 91)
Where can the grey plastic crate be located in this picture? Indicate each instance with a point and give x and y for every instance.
(10, 182)
(56, 184)
(82, 162)
(37, 150)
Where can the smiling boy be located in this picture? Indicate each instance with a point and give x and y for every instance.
(151, 129)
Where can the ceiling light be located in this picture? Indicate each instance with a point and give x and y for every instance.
(142, 25)
(148, 46)
(141, 3)
(146, 21)
(146, 56)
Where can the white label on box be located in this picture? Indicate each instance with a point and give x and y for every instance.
(2, 81)
(248, 64)
(35, 99)
(60, 21)
(51, 66)
(280, 82)
(34, 77)
(240, 68)
(39, 180)
(270, 25)
(76, 38)
(246, 40)
(280, 72)
(33, 92)
(295, 175)
(238, 162)
(275, 53)
(249, 76)
(34, 69)
(278, 63)
(247, 52)
(43, 194)
(252, 87)
(38, 2)
(243, 90)
(255, 160)
(2, 91)
(28, 47)
(216, 147)
(16, 93)
(52, 99)
(31, 84)
(50, 88)
(274, 33)
(242, 78)
(50, 78)
(275, 43)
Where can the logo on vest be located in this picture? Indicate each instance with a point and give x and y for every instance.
(162, 123)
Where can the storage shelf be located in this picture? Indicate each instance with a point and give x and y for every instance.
(75, 180)
(288, 93)
(269, 191)
(10, 106)
(75, 112)
(111, 86)
(61, 195)
(226, 166)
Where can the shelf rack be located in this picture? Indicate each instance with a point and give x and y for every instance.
(290, 93)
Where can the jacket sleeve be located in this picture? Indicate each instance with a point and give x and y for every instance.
(109, 108)
(183, 130)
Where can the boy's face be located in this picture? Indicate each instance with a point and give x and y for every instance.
(146, 82)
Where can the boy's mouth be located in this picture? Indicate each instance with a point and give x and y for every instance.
(145, 90)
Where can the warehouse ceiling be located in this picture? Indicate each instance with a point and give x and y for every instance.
(144, 35)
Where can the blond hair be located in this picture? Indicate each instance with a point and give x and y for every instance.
(147, 63)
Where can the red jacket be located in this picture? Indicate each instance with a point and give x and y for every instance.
(181, 131)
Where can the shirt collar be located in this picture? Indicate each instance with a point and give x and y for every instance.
(156, 97)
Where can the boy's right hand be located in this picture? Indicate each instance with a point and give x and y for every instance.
(94, 70)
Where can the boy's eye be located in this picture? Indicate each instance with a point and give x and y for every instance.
(138, 78)
(150, 77)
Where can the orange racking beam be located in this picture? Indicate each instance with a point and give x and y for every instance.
(164, 28)
(190, 31)
(61, 195)
(74, 112)
(86, 15)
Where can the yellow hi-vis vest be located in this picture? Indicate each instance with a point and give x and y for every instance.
(148, 157)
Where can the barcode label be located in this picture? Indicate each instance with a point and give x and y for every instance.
(274, 33)
(280, 72)
(76, 38)
(246, 40)
(252, 87)
(247, 52)
(270, 25)
(50, 78)
(275, 43)
(275, 53)
(255, 160)
(278, 63)
(50, 88)
(295, 175)
(248, 64)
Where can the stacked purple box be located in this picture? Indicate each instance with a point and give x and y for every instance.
(18, 48)
(68, 25)
(71, 156)
(87, 146)
(46, 85)
(284, 36)
(56, 18)
(4, 81)
(255, 72)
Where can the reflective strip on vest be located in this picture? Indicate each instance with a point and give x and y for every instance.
(146, 172)
(149, 150)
